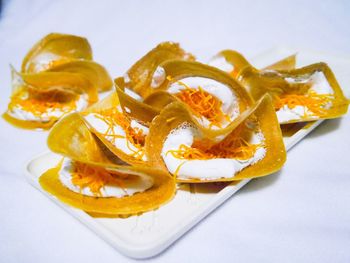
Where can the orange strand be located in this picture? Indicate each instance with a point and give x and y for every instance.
(203, 104)
(38, 103)
(95, 178)
(134, 136)
(233, 146)
(313, 101)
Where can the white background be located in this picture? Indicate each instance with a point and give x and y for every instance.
(300, 214)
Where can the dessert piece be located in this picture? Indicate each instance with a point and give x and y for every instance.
(92, 178)
(304, 94)
(57, 77)
(252, 146)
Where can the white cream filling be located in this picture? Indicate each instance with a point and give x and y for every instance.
(122, 143)
(222, 92)
(319, 84)
(204, 169)
(221, 63)
(19, 113)
(133, 94)
(130, 187)
(158, 77)
(42, 61)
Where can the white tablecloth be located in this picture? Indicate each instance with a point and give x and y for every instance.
(300, 214)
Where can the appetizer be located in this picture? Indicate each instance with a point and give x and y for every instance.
(252, 146)
(57, 76)
(304, 94)
(90, 177)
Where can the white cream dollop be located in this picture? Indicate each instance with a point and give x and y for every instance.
(19, 113)
(210, 169)
(139, 183)
(158, 77)
(230, 104)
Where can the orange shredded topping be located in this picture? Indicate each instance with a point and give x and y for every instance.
(313, 101)
(233, 146)
(203, 104)
(134, 135)
(38, 103)
(94, 177)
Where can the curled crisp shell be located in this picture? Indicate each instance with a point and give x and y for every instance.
(287, 63)
(132, 107)
(74, 127)
(233, 58)
(70, 137)
(55, 49)
(238, 62)
(94, 72)
(176, 114)
(139, 76)
(29, 125)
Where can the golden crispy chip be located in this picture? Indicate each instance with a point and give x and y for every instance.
(132, 107)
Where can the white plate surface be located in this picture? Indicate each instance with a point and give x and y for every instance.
(150, 233)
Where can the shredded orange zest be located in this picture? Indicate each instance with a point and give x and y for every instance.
(135, 136)
(233, 146)
(203, 104)
(84, 175)
(39, 103)
(313, 101)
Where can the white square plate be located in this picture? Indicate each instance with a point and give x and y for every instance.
(150, 233)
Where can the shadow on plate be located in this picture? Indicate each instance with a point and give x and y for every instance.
(326, 127)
